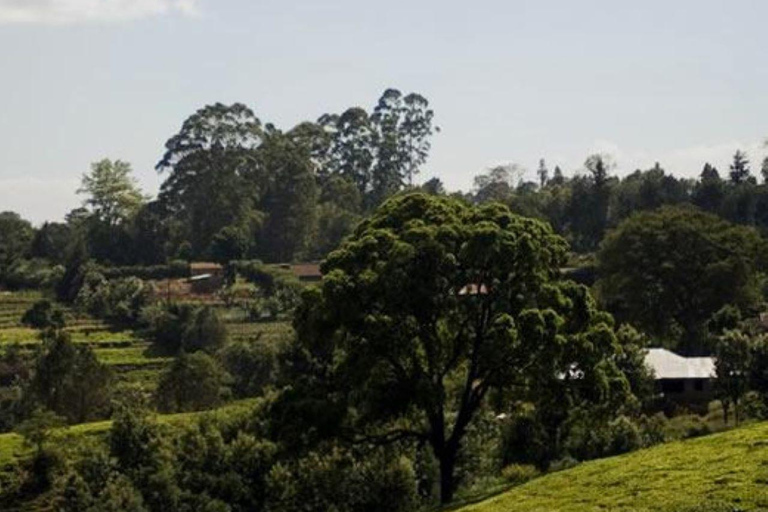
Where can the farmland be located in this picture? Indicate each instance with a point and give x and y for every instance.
(134, 359)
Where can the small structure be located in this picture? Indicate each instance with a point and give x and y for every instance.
(682, 379)
(307, 272)
(205, 277)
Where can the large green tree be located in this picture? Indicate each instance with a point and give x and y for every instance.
(211, 172)
(668, 271)
(111, 192)
(426, 308)
(16, 235)
(70, 381)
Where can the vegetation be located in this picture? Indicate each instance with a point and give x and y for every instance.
(457, 343)
(483, 312)
(720, 472)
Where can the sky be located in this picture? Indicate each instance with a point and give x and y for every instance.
(679, 82)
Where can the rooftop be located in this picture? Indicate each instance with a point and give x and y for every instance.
(668, 365)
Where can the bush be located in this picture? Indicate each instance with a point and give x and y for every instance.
(624, 436)
(176, 269)
(278, 290)
(31, 274)
(566, 462)
(70, 381)
(653, 429)
(120, 300)
(253, 366)
(517, 474)
(192, 382)
(43, 315)
(687, 426)
(339, 480)
(185, 327)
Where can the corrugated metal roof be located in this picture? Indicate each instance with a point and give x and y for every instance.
(668, 365)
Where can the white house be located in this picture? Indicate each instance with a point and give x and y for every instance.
(682, 379)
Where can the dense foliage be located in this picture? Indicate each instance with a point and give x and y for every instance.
(431, 305)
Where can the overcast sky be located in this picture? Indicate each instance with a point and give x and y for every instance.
(680, 82)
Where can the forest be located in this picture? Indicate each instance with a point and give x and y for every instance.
(458, 343)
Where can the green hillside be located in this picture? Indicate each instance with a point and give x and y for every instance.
(726, 471)
(12, 445)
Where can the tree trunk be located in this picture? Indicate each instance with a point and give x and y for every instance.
(447, 480)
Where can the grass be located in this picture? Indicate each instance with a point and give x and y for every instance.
(12, 445)
(134, 356)
(729, 468)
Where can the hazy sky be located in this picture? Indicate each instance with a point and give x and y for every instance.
(681, 82)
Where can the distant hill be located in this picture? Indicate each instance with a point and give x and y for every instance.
(718, 473)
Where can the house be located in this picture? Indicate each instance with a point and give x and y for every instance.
(307, 272)
(205, 277)
(682, 379)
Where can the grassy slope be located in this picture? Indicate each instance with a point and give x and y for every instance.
(730, 467)
(12, 447)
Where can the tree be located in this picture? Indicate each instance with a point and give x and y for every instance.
(192, 382)
(764, 170)
(426, 308)
(732, 363)
(758, 371)
(404, 124)
(230, 243)
(15, 237)
(557, 176)
(709, 192)
(740, 168)
(543, 173)
(289, 201)
(51, 242)
(211, 165)
(668, 271)
(36, 429)
(497, 183)
(70, 381)
(113, 194)
(352, 152)
(43, 315)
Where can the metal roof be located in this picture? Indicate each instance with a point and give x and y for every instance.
(668, 365)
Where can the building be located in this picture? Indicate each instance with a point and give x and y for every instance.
(205, 277)
(682, 379)
(306, 272)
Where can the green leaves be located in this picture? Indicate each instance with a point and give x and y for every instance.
(432, 303)
(670, 270)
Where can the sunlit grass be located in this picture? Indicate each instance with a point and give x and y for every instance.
(729, 468)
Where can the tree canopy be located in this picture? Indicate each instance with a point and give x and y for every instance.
(433, 303)
(668, 271)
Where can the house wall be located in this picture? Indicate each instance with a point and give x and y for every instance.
(686, 391)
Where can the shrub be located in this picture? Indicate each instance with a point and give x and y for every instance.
(624, 436)
(119, 300)
(277, 292)
(70, 381)
(31, 274)
(43, 315)
(185, 327)
(175, 269)
(687, 426)
(517, 474)
(335, 479)
(653, 429)
(192, 382)
(566, 462)
(252, 365)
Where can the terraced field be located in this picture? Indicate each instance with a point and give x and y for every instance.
(134, 359)
(130, 356)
